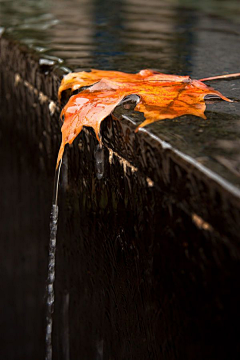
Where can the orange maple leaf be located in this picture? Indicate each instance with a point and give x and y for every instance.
(161, 97)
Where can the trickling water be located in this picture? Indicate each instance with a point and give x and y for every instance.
(99, 161)
(51, 265)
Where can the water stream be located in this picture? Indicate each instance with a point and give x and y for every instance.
(51, 264)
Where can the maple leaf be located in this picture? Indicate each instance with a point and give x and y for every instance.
(161, 97)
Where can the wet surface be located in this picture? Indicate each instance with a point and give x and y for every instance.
(147, 259)
(196, 40)
(139, 285)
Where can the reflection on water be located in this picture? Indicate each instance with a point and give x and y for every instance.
(109, 44)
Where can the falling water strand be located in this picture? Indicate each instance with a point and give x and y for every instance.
(51, 265)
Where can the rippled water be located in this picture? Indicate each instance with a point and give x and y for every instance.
(119, 34)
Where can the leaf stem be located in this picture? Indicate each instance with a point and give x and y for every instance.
(220, 77)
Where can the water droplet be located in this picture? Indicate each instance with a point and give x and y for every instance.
(99, 161)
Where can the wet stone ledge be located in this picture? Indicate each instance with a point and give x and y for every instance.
(148, 244)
